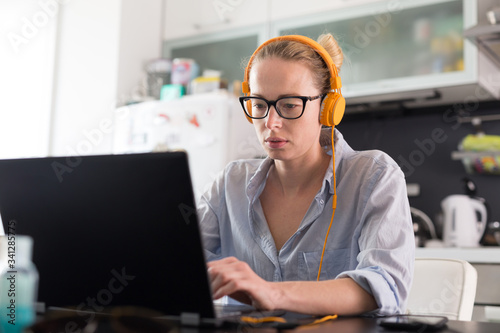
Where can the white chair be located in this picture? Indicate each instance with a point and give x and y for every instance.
(444, 287)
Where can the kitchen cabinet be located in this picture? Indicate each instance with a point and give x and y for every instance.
(286, 9)
(191, 18)
(486, 260)
(409, 53)
(401, 50)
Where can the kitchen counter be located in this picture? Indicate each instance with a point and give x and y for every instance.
(474, 255)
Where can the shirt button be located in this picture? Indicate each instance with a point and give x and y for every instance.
(322, 202)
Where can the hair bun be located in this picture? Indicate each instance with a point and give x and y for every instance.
(332, 47)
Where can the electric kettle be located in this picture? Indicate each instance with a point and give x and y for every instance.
(464, 220)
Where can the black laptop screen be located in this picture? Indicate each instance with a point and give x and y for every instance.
(110, 230)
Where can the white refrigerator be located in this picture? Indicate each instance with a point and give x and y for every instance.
(211, 127)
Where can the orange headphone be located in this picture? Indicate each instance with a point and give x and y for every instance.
(333, 106)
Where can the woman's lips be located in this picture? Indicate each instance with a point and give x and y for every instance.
(275, 143)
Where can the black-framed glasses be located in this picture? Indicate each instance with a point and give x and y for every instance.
(290, 107)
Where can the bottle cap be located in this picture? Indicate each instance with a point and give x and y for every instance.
(23, 249)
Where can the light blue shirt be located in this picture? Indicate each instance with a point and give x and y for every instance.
(371, 239)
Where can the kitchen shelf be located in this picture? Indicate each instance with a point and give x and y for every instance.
(459, 155)
(479, 162)
(477, 255)
(477, 120)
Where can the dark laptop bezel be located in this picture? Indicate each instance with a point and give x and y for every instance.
(98, 220)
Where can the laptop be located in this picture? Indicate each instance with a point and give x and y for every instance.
(111, 230)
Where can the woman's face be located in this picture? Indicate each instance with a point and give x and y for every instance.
(286, 139)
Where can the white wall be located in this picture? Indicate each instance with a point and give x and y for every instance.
(86, 74)
(26, 65)
(140, 42)
(65, 65)
(102, 47)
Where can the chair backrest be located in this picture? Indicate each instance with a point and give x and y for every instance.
(445, 287)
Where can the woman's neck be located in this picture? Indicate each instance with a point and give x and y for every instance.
(295, 176)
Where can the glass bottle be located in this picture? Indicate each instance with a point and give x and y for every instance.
(18, 283)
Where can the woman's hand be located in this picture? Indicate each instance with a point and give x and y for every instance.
(236, 279)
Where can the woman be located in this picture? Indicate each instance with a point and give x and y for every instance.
(264, 222)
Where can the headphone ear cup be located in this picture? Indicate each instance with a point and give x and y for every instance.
(332, 109)
(249, 110)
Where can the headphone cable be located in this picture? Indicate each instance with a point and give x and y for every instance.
(334, 205)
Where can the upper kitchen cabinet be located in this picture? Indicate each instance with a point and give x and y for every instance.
(285, 9)
(188, 18)
(397, 52)
(410, 52)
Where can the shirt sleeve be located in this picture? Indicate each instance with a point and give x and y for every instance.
(386, 242)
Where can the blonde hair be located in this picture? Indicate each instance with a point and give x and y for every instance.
(296, 51)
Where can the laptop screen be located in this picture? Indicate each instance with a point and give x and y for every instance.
(110, 230)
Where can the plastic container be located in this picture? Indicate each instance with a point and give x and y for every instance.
(203, 84)
(183, 71)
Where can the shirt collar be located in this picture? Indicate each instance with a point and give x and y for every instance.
(256, 183)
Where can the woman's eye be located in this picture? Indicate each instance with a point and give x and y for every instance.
(259, 105)
(289, 106)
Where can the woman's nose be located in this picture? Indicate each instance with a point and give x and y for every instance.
(273, 119)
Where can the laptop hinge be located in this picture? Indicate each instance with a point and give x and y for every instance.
(190, 318)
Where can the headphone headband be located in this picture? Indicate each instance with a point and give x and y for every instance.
(335, 82)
